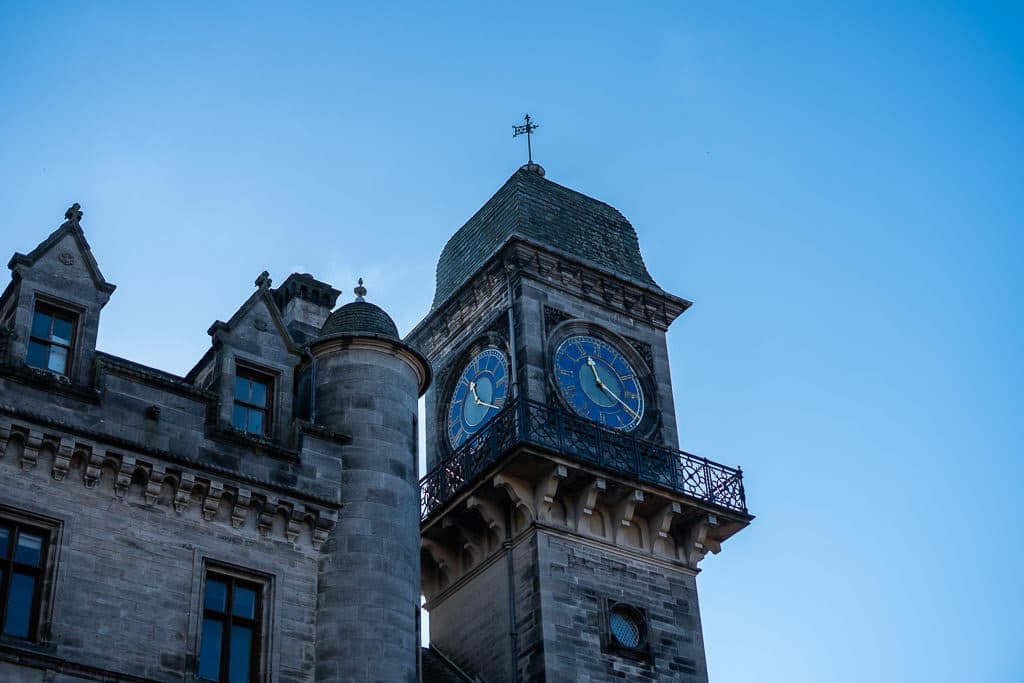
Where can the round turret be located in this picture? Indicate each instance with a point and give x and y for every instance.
(367, 383)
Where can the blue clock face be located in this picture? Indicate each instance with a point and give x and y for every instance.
(598, 382)
(480, 393)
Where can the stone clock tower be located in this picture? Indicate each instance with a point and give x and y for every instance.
(561, 526)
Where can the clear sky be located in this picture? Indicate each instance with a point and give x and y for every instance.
(837, 187)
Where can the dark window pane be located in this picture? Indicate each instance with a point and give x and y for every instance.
(255, 421)
(241, 654)
(19, 605)
(41, 325)
(239, 417)
(37, 354)
(209, 649)
(62, 331)
(244, 604)
(216, 595)
(259, 393)
(5, 537)
(58, 359)
(241, 388)
(29, 550)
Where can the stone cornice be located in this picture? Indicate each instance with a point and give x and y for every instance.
(119, 444)
(151, 376)
(156, 482)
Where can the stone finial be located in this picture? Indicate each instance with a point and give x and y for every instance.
(263, 281)
(74, 213)
(360, 291)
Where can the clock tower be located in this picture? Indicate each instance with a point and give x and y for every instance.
(561, 526)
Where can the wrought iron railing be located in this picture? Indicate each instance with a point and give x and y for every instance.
(551, 428)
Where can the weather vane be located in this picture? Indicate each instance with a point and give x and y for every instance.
(528, 129)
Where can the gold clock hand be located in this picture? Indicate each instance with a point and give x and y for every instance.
(476, 399)
(604, 387)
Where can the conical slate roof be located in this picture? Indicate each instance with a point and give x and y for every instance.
(541, 211)
(360, 318)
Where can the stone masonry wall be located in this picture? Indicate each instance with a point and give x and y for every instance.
(575, 579)
(128, 579)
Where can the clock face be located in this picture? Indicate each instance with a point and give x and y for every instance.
(598, 382)
(479, 395)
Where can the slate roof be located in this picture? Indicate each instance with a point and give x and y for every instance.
(359, 318)
(541, 211)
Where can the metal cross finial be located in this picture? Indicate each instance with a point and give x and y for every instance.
(528, 129)
(360, 291)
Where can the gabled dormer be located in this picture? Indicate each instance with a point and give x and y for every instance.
(50, 311)
(251, 366)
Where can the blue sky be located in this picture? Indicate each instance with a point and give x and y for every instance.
(837, 187)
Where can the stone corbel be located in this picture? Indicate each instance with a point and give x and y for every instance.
(442, 557)
(586, 501)
(265, 518)
(123, 477)
(661, 527)
(296, 517)
(211, 501)
(545, 491)
(492, 515)
(625, 511)
(325, 521)
(30, 454)
(469, 543)
(62, 458)
(183, 493)
(240, 510)
(5, 436)
(519, 491)
(93, 466)
(697, 542)
(154, 484)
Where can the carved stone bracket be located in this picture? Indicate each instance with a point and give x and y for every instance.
(490, 513)
(123, 475)
(211, 501)
(61, 452)
(586, 501)
(240, 510)
(697, 542)
(30, 453)
(93, 467)
(155, 483)
(183, 494)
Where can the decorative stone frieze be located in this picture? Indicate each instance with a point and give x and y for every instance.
(159, 483)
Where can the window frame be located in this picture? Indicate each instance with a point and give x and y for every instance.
(55, 311)
(259, 652)
(42, 600)
(609, 641)
(252, 373)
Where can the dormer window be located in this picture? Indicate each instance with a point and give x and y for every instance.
(50, 340)
(253, 391)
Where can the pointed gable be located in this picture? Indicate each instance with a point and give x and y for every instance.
(66, 250)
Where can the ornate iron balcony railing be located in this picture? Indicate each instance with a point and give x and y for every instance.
(549, 427)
